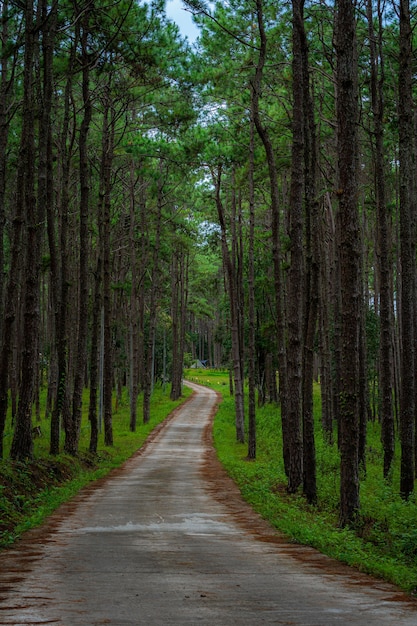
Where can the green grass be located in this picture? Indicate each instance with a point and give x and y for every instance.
(384, 543)
(31, 491)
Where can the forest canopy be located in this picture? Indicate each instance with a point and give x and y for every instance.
(247, 202)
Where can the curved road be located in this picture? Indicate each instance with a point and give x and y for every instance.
(166, 540)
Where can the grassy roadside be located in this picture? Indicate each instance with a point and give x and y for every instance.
(31, 491)
(384, 543)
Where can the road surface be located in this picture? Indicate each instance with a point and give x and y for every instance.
(166, 540)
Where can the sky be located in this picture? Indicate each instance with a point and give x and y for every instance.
(176, 11)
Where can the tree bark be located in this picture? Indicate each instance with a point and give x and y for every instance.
(384, 254)
(233, 299)
(72, 430)
(176, 376)
(105, 227)
(134, 306)
(22, 444)
(326, 246)
(178, 311)
(153, 307)
(59, 267)
(407, 249)
(6, 82)
(94, 358)
(264, 135)
(296, 284)
(350, 249)
(251, 298)
(9, 293)
(312, 245)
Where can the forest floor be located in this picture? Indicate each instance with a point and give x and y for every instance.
(25, 489)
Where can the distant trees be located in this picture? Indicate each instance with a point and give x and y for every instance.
(251, 206)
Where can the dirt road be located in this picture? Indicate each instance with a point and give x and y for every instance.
(167, 541)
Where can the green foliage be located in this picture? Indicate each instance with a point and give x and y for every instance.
(384, 541)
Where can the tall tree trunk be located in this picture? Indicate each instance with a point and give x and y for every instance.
(336, 320)
(94, 358)
(264, 135)
(6, 83)
(178, 307)
(59, 268)
(384, 253)
(184, 305)
(350, 276)
(46, 183)
(236, 231)
(176, 376)
(149, 360)
(296, 269)
(144, 257)
(154, 292)
(251, 297)
(7, 313)
(311, 281)
(407, 247)
(105, 227)
(134, 306)
(326, 245)
(233, 299)
(72, 431)
(22, 445)
(363, 387)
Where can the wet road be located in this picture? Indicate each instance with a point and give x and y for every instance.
(166, 540)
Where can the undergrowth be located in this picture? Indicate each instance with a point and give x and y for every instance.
(384, 541)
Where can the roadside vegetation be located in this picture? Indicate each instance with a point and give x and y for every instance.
(31, 490)
(384, 541)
